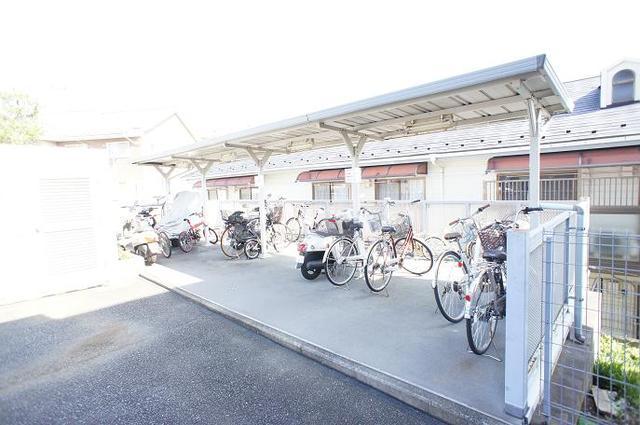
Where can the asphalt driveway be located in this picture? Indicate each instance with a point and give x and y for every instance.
(135, 353)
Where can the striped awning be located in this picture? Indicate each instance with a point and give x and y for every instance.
(228, 181)
(374, 172)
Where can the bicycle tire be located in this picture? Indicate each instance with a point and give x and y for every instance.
(278, 237)
(294, 229)
(476, 297)
(349, 249)
(416, 245)
(165, 244)
(252, 249)
(371, 263)
(212, 236)
(228, 250)
(185, 241)
(456, 314)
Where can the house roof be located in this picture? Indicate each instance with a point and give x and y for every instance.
(587, 126)
(91, 125)
(491, 94)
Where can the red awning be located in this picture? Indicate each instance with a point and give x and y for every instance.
(376, 172)
(563, 160)
(397, 170)
(228, 181)
(335, 175)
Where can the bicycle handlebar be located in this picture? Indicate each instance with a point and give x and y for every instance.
(482, 208)
(415, 201)
(527, 210)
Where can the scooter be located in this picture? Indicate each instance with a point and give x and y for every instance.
(311, 253)
(143, 241)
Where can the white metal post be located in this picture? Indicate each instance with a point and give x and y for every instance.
(262, 211)
(166, 175)
(534, 160)
(516, 327)
(203, 169)
(356, 177)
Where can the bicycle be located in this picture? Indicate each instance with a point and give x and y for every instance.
(343, 258)
(414, 255)
(454, 270)
(187, 238)
(486, 297)
(386, 254)
(297, 226)
(236, 233)
(276, 232)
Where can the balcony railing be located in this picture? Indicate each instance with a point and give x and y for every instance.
(607, 193)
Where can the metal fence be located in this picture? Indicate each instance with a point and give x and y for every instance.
(605, 192)
(594, 375)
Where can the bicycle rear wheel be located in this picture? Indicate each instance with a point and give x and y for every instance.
(185, 241)
(483, 321)
(381, 262)
(450, 283)
(165, 244)
(340, 267)
(416, 256)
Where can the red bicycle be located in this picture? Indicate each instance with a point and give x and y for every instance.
(188, 238)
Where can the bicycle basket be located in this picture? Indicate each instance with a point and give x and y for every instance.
(493, 237)
(349, 227)
(276, 214)
(329, 227)
(402, 225)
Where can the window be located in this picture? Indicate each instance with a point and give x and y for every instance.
(218, 194)
(331, 192)
(400, 190)
(623, 86)
(248, 193)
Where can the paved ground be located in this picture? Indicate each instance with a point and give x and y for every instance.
(400, 334)
(138, 354)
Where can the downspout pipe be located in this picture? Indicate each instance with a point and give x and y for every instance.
(580, 263)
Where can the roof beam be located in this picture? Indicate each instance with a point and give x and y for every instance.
(435, 114)
(255, 148)
(349, 131)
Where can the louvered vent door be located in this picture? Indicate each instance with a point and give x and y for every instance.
(68, 230)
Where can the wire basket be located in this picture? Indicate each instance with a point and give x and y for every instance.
(493, 237)
(402, 225)
(276, 214)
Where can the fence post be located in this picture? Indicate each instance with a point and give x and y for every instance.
(548, 324)
(516, 326)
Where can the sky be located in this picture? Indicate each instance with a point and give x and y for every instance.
(227, 66)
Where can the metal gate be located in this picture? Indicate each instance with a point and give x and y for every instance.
(596, 380)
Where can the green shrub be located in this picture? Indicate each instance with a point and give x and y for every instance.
(618, 362)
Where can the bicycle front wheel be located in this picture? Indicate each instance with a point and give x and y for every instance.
(416, 256)
(252, 249)
(279, 237)
(482, 321)
(450, 286)
(341, 265)
(294, 229)
(381, 262)
(228, 244)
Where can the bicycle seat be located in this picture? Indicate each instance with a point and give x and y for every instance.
(357, 225)
(388, 229)
(452, 236)
(495, 256)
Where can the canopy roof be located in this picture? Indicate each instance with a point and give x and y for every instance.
(491, 94)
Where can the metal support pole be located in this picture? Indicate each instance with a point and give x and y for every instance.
(356, 177)
(166, 175)
(203, 169)
(548, 322)
(534, 159)
(262, 196)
